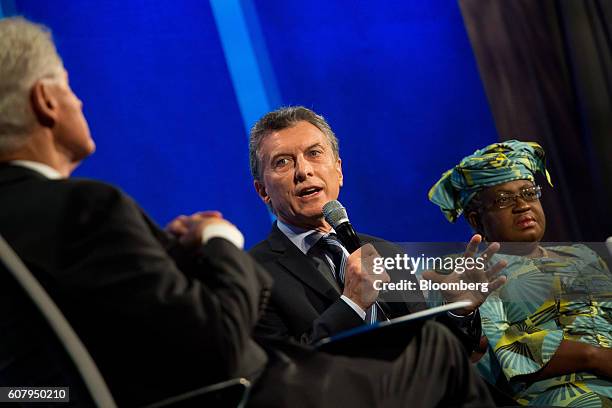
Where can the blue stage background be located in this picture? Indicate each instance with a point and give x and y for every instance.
(170, 88)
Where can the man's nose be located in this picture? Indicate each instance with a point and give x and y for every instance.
(303, 169)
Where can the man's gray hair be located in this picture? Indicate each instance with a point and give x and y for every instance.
(27, 54)
(280, 119)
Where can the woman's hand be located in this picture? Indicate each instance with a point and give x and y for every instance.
(472, 274)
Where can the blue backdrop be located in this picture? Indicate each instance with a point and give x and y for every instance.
(170, 88)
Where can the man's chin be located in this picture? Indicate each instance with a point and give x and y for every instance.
(309, 220)
(312, 208)
(313, 217)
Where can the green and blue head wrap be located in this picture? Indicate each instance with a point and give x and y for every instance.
(495, 164)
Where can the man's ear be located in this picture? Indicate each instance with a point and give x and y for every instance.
(44, 103)
(339, 170)
(261, 191)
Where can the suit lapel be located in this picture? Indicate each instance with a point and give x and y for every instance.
(299, 265)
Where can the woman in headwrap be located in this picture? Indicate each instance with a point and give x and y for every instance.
(549, 328)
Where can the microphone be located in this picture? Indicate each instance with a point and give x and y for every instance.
(335, 214)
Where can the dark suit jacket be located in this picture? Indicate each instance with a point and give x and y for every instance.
(304, 305)
(153, 329)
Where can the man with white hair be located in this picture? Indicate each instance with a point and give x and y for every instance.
(150, 326)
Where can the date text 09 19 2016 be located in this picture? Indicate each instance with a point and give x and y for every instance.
(34, 394)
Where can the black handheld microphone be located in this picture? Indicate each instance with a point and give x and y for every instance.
(335, 214)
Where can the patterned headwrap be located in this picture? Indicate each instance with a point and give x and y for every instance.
(495, 164)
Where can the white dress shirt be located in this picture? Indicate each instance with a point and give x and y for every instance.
(41, 168)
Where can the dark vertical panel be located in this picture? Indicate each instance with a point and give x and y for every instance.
(586, 29)
(544, 77)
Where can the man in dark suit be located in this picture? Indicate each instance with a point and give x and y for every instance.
(297, 169)
(161, 314)
(307, 305)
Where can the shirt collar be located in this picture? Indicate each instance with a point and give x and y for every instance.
(302, 238)
(41, 168)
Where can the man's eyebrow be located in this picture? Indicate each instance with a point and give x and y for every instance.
(318, 144)
(281, 153)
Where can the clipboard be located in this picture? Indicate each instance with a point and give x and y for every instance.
(382, 340)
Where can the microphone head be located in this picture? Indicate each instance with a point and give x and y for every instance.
(334, 213)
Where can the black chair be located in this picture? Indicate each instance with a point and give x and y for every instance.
(30, 313)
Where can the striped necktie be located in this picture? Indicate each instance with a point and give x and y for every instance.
(337, 257)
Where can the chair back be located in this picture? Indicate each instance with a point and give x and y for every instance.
(38, 347)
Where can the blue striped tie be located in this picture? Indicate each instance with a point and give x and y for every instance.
(337, 257)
